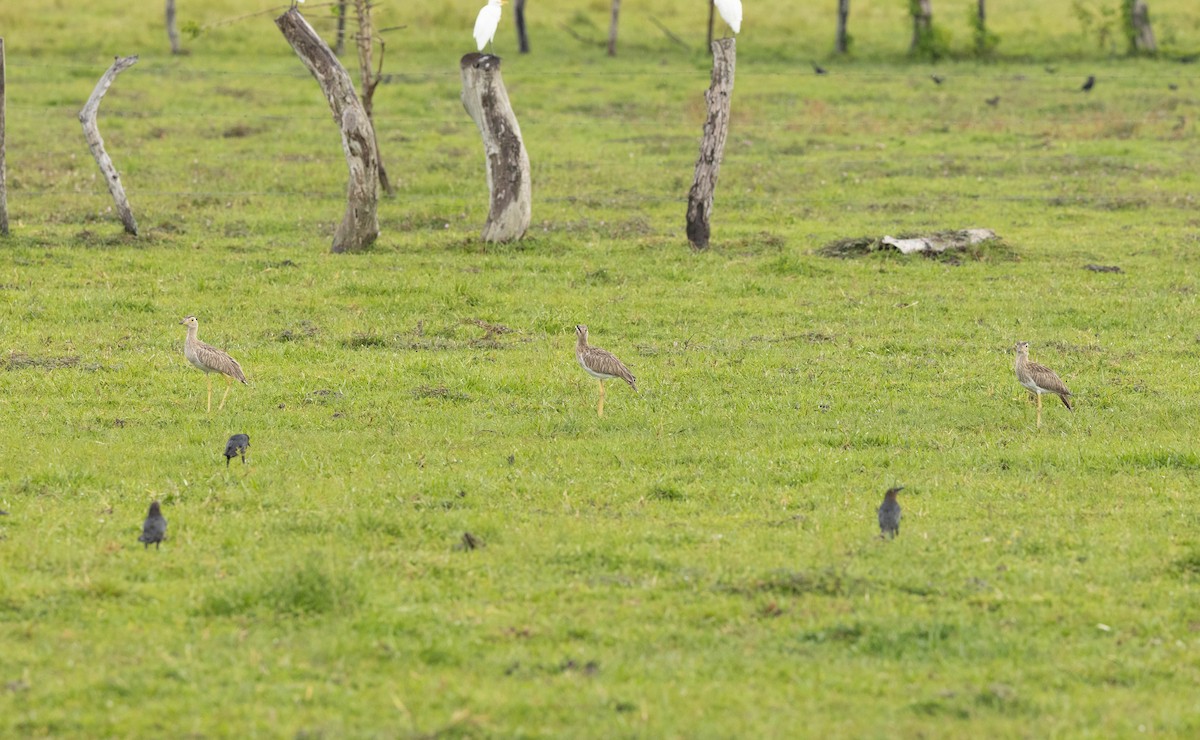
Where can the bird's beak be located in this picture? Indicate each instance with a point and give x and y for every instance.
(184, 321)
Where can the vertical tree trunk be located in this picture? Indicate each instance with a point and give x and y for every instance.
(340, 47)
(172, 31)
(522, 38)
(1140, 32)
(486, 100)
(712, 145)
(91, 132)
(982, 14)
(360, 225)
(842, 44)
(612, 28)
(3, 171)
(922, 15)
(370, 80)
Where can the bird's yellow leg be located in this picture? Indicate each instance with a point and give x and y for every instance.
(1039, 423)
(209, 379)
(228, 385)
(600, 408)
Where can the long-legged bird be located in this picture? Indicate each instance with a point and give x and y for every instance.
(211, 360)
(889, 513)
(600, 364)
(1039, 379)
(154, 529)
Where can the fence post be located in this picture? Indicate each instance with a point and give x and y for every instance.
(486, 100)
(712, 145)
(91, 132)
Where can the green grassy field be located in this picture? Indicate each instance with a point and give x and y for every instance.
(702, 561)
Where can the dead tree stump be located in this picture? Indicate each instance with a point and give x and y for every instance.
(91, 132)
(3, 171)
(612, 28)
(360, 226)
(841, 42)
(712, 145)
(522, 37)
(172, 30)
(486, 100)
(1142, 35)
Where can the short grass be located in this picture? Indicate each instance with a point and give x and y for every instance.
(701, 562)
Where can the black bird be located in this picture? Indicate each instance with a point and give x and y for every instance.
(817, 68)
(1172, 86)
(237, 445)
(889, 513)
(937, 79)
(1089, 84)
(993, 101)
(154, 529)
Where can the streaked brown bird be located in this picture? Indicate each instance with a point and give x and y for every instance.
(889, 513)
(600, 364)
(1039, 379)
(211, 360)
(154, 529)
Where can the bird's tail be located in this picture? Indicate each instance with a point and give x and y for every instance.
(1067, 403)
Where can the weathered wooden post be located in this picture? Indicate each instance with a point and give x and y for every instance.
(3, 171)
(712, 145)
(1141, 35)
(172, 31)
(360, 225)
(922, 18)
(612, 28)
(91, 132)
(486, 100)
(842, 42)
(522, 37)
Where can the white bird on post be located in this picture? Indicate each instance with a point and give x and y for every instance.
(486, 23)
(731, 13)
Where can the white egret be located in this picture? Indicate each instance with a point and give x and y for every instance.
(486, 22)
(731, 13)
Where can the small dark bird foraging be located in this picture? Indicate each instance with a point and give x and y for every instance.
(237, 445)
(1089, 83)
(1172, 86)
(993, 101)
(937, 79)
(154, 529)
(889, 513)
(817, 68)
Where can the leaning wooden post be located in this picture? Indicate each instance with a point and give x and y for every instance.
(3, 175)
(360, 226)
(172, 30)
(485, 98)
(712, 146)
(87, 117)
